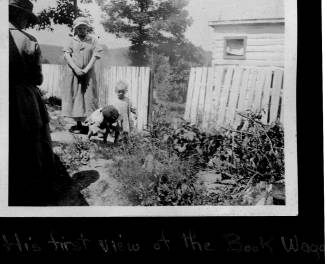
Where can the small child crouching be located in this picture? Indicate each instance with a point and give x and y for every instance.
(102, 122)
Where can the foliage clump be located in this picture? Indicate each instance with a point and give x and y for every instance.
(255, 151)
(74, 155)
(162, 166)
(249, 159)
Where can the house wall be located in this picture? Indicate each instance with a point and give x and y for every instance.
(265, 44)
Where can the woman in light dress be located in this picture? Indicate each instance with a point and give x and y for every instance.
(80, 97)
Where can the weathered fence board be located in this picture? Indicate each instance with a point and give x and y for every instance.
(216, 95)
(276, 91)
(189, 95)
(233, 96)
(208, 98)
(219, 78)
(53, 77)
(137, 78)
(195, 98)
(224, 95)
(266, 95)
(259, 90)
(202, 93)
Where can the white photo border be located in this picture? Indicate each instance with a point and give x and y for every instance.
(291, 178)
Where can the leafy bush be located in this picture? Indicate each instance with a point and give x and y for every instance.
(161, 169)
(74, 155)
(152, 174)
(50, 100)
(161, 124)
(190, 142)
(257, 151)
(250, 156)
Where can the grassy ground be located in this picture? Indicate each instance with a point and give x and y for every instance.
(169, 164)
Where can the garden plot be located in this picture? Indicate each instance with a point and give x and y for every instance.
(177, 166)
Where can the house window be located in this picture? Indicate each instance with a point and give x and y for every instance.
(235, 48)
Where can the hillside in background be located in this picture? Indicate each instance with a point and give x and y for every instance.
(116, 57)
(52, 54)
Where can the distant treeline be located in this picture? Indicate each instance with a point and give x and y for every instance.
(52, 54)
(170, 75)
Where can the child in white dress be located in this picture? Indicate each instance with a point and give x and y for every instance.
(124, 107)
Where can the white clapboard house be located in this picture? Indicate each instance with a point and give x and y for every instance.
(249, 35)
(247, 67)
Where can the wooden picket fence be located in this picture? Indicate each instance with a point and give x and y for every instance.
(137, 78)
(215, 95)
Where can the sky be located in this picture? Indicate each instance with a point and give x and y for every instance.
(199, 33)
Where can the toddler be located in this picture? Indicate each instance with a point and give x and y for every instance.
(124, 107)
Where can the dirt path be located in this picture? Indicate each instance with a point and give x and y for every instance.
(95, 180)
(106, 190)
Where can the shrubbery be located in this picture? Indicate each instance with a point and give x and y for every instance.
(74, 155)
(247, 157)
(255, 152)
(160, 166)
(151, 173)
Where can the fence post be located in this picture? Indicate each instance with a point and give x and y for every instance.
(150, 98)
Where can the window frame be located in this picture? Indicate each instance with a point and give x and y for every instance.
(234, 57)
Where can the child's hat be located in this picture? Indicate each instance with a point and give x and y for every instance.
(81, 21)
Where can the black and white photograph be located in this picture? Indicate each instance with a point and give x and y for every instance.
(150, 108)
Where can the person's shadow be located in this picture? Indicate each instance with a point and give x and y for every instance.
(68, 188)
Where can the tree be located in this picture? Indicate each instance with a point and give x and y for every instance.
(156, 31)
(180, 59)
(148, 24)
(161, 77)
(63, 13)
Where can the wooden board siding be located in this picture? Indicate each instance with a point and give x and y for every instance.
(265, 45)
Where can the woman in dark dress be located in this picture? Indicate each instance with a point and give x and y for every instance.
(34, 179)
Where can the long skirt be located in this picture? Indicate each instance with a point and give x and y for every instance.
(34, 176)
(32, 170)
(79, 95)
